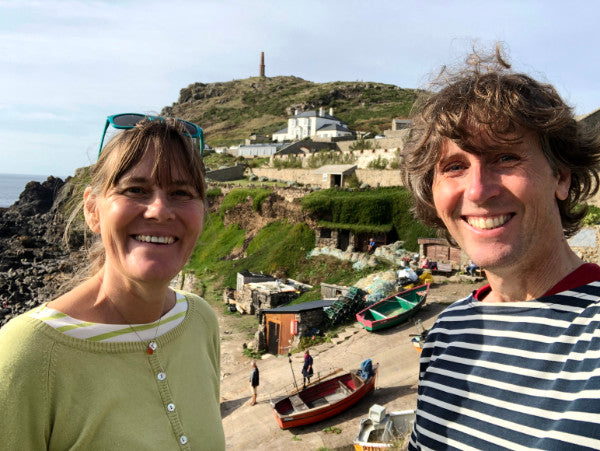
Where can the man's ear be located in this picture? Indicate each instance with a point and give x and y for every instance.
(90, 210)
(564, 184)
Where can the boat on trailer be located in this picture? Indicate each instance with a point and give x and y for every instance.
(394, 309)
(325, 399)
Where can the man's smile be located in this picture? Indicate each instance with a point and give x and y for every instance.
(488, 222)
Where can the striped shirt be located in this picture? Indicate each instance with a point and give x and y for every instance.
(116, 333)
(514, 375)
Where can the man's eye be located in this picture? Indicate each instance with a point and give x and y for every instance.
(507, 158)
(453, 167)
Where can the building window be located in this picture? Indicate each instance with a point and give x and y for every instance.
(325, 233)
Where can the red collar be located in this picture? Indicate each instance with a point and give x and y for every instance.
(584, 274)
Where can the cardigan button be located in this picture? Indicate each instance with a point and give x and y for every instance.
(170, 407)
(183, 440)
(161, 376)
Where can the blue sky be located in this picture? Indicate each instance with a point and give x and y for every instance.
(66, 65)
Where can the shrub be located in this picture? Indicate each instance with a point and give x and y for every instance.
(378, 163)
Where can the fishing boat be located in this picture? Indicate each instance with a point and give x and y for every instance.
(381, 430)
(394, 309)
(325, 399)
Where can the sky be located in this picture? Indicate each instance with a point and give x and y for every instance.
(66, 65)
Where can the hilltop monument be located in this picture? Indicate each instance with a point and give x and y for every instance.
(262, 65)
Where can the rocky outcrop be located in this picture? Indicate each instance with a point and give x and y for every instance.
(34, 260)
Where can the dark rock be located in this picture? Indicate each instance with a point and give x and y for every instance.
(34, 260)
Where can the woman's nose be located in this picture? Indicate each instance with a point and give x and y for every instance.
(159, 206)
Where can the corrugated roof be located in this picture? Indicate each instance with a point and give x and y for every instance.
(311, 305)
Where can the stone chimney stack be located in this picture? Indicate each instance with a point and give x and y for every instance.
(262, 64)
(321, 111)
(331, 111)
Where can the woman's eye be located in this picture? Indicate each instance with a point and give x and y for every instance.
(183, 193)
(134, 190)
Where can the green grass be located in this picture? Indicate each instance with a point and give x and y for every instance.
(239, 195)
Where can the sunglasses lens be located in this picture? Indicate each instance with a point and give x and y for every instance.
(127, 120)
(190, 128)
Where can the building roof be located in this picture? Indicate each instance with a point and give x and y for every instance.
(313, 113)
(282, 131)
(306, 144)
(337, 127)
(336, 169)
(272, 287)
(311, 305)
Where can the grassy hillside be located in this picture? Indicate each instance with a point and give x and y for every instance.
(281, 247)
(230, 111)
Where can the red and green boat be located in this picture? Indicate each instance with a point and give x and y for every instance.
(323, 400)
(394, 309)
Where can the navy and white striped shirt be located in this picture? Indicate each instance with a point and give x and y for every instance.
(514, 375)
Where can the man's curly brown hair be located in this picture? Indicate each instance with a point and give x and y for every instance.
(487, 100)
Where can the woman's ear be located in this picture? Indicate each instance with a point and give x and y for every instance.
(564, 184)
(90, 210)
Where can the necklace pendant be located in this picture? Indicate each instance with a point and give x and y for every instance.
(151, 348)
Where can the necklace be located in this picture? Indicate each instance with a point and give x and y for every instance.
(152, 344)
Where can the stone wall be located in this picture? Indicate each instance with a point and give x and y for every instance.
(386, 177)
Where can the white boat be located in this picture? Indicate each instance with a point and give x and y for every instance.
(382, 430)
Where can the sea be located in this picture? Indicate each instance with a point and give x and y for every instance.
(11, 185)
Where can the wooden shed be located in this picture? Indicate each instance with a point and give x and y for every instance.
(440, 250)
(284, 324)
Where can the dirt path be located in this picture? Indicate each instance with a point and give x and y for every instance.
(254, 427)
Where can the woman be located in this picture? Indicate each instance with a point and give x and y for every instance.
(122, 361)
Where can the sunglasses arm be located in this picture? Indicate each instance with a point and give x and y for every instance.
(102, 139)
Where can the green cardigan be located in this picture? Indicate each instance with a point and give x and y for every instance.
(59, 392)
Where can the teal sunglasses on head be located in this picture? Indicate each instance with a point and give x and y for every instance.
(129, 120)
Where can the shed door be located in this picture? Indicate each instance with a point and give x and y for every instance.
(273, 337)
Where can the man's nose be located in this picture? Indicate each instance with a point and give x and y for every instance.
(482, 183)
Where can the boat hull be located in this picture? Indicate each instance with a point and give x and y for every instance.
(394, 309)
(373, 436)
(318, 412)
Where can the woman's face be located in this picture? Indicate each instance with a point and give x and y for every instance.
(148, 231)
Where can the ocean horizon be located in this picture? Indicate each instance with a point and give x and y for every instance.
(12, 185)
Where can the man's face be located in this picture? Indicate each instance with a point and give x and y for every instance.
(500, 206)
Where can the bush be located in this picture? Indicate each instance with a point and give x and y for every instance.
(593, 216)
(378, 163)
(361, 144)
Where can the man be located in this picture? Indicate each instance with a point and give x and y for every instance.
(471, 267)
(254, 381)
(497, 160)
(307, 369)
(371, 246)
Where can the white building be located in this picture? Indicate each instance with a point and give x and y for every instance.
(258, 150)
(310, 124)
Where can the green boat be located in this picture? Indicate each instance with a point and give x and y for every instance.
(394, 309)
